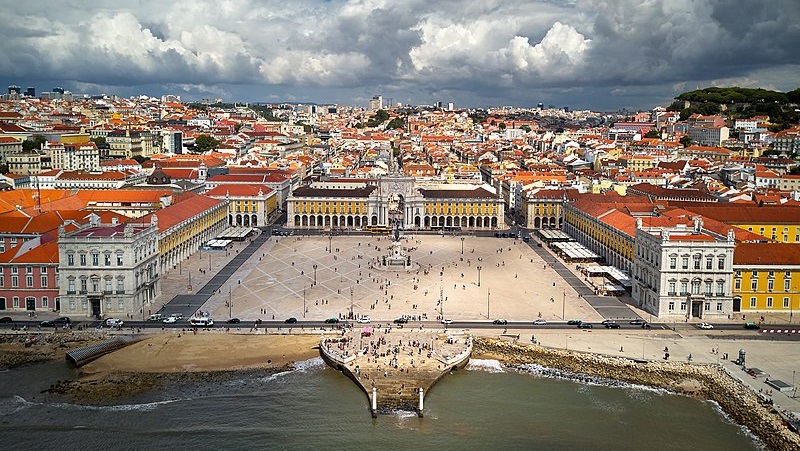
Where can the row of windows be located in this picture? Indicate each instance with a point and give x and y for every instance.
(43, 281)
(770, 303)
(95, 284)
(95, 259)
(28, 270)
(85, 304)
(696, 286)
(28, 300)
(770, 274)
(770, 284)
(706, 306)
(696, 262)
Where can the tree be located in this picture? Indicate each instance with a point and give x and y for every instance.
(397, 122)
(34, 142)
(685, 141)
(139, 159)
(3, 168)
(502, 126)
(653, 134)
(526, 128)
(99, 140)
(204, 143)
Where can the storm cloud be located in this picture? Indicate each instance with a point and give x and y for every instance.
(598, 54)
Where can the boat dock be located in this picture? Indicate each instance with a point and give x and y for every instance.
(396, 367)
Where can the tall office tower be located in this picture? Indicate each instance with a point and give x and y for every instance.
(376, 103)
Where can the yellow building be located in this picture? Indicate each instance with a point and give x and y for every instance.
(766, 278)
(779, 223)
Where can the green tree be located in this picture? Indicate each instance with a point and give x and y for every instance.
(34, 142)
(397, 122)
(204, 143)
(502, 126)
(3, 168)
(526, 128)
(140, 159)
(99, 140)
(653, 134)
(685, 141)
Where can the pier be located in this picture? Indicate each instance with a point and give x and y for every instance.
(396, 367)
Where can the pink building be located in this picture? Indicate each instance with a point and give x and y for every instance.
(29, 276)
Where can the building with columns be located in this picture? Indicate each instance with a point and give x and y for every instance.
(394, 200)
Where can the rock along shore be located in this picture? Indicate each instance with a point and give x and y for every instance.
(709, 382)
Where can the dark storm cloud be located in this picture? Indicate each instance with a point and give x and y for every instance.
(587, 53)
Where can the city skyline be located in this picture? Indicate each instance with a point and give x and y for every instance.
(583, 54)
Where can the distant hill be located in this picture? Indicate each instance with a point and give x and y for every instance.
(738, 102)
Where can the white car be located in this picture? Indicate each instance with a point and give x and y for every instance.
(705, 326)
(363, 320)
(114, 322)
(170, 320)
(447, 321)
(539, 322)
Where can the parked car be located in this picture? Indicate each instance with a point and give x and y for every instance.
(170, 320)
(332, 320)
(612, 326)
(291, 320)
(155, 317)
(500, 321)
(6, 319)
(751, 326)
(638, 322)
(583, 325)
(401, 320)
(177, 316)
(47, 323)
(363, 320)
(705, 326)
(447, 321)
(574, 322)
(234, 321)
(539, 322)
(607, 321)
(113, 322)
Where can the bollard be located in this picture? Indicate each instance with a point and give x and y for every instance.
(421, 401)
(374, 401)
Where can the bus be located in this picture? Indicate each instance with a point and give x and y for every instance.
(201, 321)
(378, 229)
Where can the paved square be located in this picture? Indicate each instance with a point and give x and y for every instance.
(515, 283)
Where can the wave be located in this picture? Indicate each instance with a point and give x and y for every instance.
(743, 429)
(555, 373)
(310, 364)
(19, 403)
(488, 365)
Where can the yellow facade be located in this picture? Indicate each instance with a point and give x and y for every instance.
(767, 289)
(782, 233)
(331, 206)
(601, 233)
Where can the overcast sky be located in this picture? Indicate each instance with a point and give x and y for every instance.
(598, 54)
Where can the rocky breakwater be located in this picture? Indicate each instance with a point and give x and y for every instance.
(709, 382)
(32, 347)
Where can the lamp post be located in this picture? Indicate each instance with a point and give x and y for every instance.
(462, 245)
(209, 261)
(794, 391)
(315, 273)
(479, 275)
(564, 304)
(330, 244)
(488, 296)
(304, 302)
(351, 303)
(230, 302)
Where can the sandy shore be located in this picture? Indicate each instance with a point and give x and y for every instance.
(170, 353)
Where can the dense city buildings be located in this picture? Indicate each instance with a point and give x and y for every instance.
(697, 216)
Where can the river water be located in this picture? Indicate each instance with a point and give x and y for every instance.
(315, 407)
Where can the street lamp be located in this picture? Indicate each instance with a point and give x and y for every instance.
(209, 261)
(230, 302)
(564, 304)
(315, 273)
(352, 314)
(330, 243)
(304, 302)
(488, 295)
(479, 275)
(462, 245)
(794, 393)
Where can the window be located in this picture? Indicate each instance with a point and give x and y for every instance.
(29, 270)
(95, 285)
(83, 259)
(754, 284)
(671, 306)
(695, 287)
(786, 283)
(685, 263)
(672, 262)
(769, 302)
(14, 281)
(83, 285)
(71, 288)
(696, 262)
(684, 287)
(15, 301)
(683, 306)
(29, 281)
(45, 302)
(95, 259)
(708, 288)
(72, 304)
(107, 259)
(43, 270)
(707, 306)
(108, 304)
(119, 259)
(672, 288)
(721, 263)
(121, 304)
(84, 304)
(709, 262)
(754, 275)
(719, 306)
(752, 302)
(107, 288)
(770, 284)
(737, 284)
(120, 286)
(785, 302)
(70, 259)
(720, 287)
(44, 281)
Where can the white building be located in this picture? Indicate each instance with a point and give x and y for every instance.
(683, 272)
(82, 156)
(109, 270)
